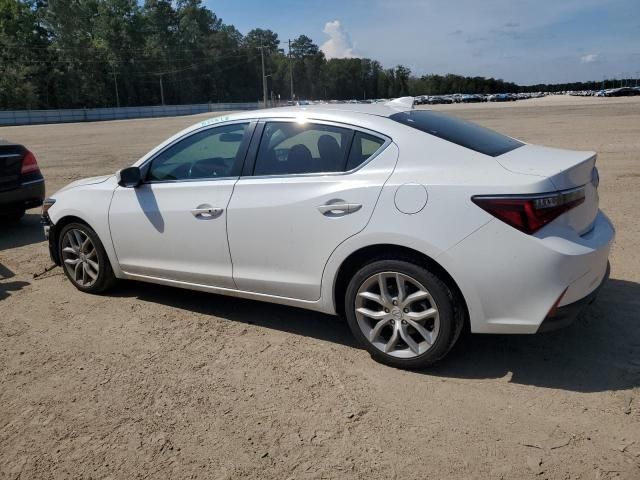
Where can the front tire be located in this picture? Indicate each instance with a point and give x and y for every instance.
(402, 314)
(84, 259)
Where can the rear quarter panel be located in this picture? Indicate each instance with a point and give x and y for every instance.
(451, 175)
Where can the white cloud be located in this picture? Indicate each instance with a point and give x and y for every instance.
(591, 58)
(339, 44)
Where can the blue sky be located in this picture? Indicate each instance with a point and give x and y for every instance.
(524, 41)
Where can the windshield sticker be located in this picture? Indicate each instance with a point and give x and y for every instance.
(211, 121)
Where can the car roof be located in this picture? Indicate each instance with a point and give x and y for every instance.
(344, 110)
(366, 116)
(378, 109)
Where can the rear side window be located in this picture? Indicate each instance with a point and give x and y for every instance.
(363, 147)
(460, 132)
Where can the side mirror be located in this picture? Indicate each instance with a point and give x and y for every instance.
(129, 177)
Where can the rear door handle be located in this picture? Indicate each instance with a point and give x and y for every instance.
(206, 212)
(338, 208)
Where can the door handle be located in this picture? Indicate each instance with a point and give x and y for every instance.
(338, 208)
(205, 212)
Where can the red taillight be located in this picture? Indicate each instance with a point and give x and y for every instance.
(29, 164)
(529, 213)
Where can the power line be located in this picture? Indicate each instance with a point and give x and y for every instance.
(121, 50)
(181, 79)
(107, 62)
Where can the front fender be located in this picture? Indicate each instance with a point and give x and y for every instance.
(90, 204)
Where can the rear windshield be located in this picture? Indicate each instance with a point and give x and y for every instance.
(460, 132)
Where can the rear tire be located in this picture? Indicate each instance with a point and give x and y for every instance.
(84, 259)
(402, 314)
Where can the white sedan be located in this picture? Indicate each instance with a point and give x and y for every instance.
(410, 223)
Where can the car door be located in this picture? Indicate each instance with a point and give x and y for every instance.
(173, 226)
(312, 186)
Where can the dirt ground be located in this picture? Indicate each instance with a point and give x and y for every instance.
(154, 382)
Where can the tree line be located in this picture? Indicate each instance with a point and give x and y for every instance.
(97, 53)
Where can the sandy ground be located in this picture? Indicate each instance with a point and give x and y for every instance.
(154, 382)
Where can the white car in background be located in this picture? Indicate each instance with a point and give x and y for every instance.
(410, 223)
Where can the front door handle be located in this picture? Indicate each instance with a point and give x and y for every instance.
(207, 212)
(338, 208)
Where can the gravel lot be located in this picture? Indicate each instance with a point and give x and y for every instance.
(154, 382)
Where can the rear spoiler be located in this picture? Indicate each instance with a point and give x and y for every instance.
(402, 104)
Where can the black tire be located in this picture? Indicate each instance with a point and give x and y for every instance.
(11, 217)
(105, 278)
(450, 319)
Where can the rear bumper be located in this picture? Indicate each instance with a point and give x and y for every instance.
(28, 195)
(565, 316)
(511, 281)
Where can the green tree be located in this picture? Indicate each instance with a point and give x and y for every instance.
(23, 54)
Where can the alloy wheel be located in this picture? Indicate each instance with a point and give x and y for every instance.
(80, 258)
(397, 314)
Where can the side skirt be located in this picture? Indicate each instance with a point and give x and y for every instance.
(292, 302)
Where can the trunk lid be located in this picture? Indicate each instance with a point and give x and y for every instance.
(567, 170)
(11, 156)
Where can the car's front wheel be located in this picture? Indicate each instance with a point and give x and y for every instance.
(401, 313)
(84, 259)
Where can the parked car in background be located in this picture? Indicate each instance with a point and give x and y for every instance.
(499, 97)
(471, 98)
(410, 223)
(622, 92)
(21, 182)
(439, 99)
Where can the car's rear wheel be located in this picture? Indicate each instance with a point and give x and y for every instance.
(84, 259)
(401, 313)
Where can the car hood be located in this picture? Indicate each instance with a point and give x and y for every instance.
(86, 181)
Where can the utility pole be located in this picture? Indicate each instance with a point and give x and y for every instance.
(115, 83)
(291, 69)
(264, 75)
(161, 90)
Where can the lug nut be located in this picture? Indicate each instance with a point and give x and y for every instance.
(404, 322)
(395, 302)
(386, 310)
(406, 310)
(393, 322)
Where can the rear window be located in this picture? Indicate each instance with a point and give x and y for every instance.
(460, 132)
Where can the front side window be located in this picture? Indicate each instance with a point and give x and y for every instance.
(209, 154)
(289, 148)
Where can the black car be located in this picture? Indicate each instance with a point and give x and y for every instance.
(21, 183)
